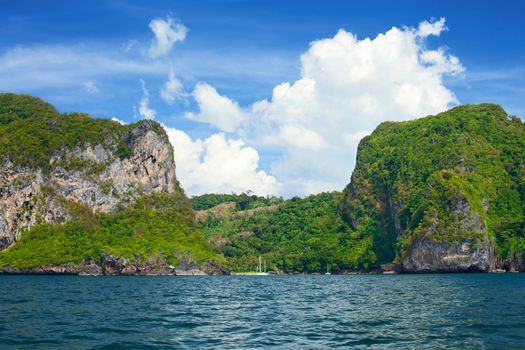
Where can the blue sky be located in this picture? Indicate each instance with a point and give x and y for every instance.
(92, 56)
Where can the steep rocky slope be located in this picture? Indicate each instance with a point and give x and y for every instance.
(70, 168)
(130, 162)
(443, 193)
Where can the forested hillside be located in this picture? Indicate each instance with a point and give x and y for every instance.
(296, 235)
(443, 193)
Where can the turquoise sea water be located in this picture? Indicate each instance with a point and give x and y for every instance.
(461, 311)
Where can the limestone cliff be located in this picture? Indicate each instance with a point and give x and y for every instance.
(444, 193)
(93, 175)
(86, 195)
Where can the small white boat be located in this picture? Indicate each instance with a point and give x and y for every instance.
(327, 271)
(260, 270)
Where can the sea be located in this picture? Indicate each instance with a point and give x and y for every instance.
(434, 311)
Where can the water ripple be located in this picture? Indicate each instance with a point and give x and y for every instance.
(468, 311)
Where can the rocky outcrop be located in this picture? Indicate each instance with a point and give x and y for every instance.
(96, 176)
(474, 254)
(427, 256)
(111, 265)
(514, 264)
(443, 193)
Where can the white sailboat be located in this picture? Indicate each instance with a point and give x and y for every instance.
(260, 271)
(327, 271)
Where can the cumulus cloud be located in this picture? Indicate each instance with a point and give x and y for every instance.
(442, 62)
(172, 89)
(427, 28)
(166, 33)
(215, 109)
(296, 137)
(218, 164)
(145, 111)
(347, 87)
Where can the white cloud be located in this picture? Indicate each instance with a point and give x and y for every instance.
(442, 62)
(145, 111)
(347, 87)
(172, 89)
(216, 109)
(91, 87)
(427, 28)
(121, 122)
(296, 137)
(167, 32)
(218, 165)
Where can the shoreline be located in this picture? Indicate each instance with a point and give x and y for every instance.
(246, 274)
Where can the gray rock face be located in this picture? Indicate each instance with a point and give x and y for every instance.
(98, 179)
(427, 256)
(467, 255)
(112, 265)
